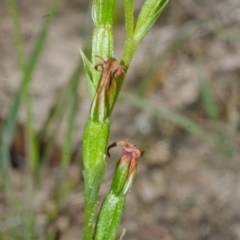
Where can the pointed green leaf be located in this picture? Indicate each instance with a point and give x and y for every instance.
(89, 69)
(150, 12)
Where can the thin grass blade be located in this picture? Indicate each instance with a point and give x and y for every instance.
(67, 149)
(10, 124)
(207, 97)
(178, 119)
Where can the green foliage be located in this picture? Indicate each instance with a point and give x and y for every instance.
(97, 127)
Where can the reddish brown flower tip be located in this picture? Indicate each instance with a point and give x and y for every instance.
(129, 150)
(101, 105)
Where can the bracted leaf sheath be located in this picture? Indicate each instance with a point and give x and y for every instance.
(95, 139)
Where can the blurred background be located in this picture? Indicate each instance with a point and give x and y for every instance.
(180, 104)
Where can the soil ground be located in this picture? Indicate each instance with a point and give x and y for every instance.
(186, 189)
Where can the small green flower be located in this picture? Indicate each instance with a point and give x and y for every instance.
(126, 168)
(113, 204)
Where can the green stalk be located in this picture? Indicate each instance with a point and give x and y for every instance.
(102, 39)
(135, 32)
(96, 131)
(104, 92)
(95, 140)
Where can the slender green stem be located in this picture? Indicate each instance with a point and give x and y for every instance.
(107, 88)
(96, 132)
(94, 147)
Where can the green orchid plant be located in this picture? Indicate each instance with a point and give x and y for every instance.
(105, 78)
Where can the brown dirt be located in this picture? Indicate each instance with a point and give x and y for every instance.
(185, 188)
